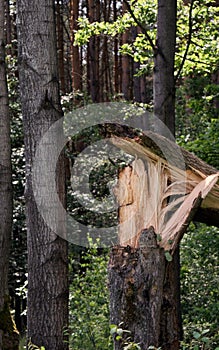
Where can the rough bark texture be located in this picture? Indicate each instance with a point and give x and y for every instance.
(9, 339)
(93, 52)
(164, 85)
(116, 51)
(142, 195)
(125, 64)
(75, 55)
(60, 46)
(138, 283)
(47, 253)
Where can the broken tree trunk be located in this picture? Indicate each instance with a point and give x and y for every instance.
(158, 195)
(139, 302)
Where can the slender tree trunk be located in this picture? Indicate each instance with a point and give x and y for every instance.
(125, 71)
(116, 58)
(47, 315)
(60, 39)
(145, 98)
(92, 47)
(164, 85)
(125, 64)
(75, 53)
(9, 339)
(136, 66)
(9, 24)
(164, 109)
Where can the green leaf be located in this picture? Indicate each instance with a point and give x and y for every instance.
(205, 339)
(168, 256)
(118, 337)
(196, 335)
(159, 238)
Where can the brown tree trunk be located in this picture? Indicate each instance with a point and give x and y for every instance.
(136, 66)
(138, 278)
(133, 302)
(145, 88)
(47, 315)
(125, 64)
(92, 47)
(75, 53)
(164, 85)
(116, 58)
(9, 339)
(164, 109)
(167, 328)
(60, 39)
(9, 24)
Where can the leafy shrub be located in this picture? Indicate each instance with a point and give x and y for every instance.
(199, 286)
(89, 310)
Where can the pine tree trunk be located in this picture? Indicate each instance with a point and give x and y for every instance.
(149, 306)
(116, 58)
(138, 279)
(125, 64)
(93, 48)
(136, 66)
(164, 85)
(60, 40)
(47, 315)
(9, 339)
(75, 54)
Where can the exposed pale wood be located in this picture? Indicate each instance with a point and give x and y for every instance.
(164, 187)
(177, 224)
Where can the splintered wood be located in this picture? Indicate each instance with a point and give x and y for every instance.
(153, 192)
(138, 191)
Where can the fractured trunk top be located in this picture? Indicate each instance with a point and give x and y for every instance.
(164, 187)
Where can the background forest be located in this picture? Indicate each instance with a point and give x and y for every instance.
(104, 54)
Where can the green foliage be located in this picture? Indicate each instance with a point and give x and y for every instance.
(168, 256)
(18, 253)
(31, 346)
(204, 37)
(199, 286)
(120, 335)
(204, 32)
(22, 344)
(89, 311)
(89, 314)
(196, 118)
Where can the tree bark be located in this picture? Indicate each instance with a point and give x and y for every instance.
(116, 56)
(47, 315)
(9, 339)
(127, 303)
(93, 48)
(60, 41)
(125, 64)
(164, 85)
(136, 65)
(138, 280)
(75, 55)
